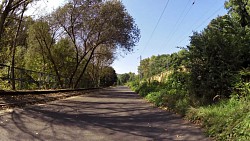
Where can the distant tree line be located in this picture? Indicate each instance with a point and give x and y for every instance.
(126, 77)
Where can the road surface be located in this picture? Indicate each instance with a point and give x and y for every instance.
(112, 114)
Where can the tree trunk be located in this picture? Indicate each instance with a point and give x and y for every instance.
(4, 16)
(85, 67)
(76, 68)
(54, 64)
(14, 49)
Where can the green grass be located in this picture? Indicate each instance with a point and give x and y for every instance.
(228, 120)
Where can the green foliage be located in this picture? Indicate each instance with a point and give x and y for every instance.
(156, 97)
(91, 25)
(227, 120)
(177, 94)
(245, 74)
(240, 10)
(145, 88)
(242, 90)
(123, 78)
(64, 49)
(108, 77)
(172, 94)
(157, 64)
(5, 85)
(134, 85)
(77, 42)
(126, 77)
(39, 43)
(216, 55)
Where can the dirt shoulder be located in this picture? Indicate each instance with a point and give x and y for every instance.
(23, 98)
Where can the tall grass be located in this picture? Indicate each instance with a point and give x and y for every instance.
(228, 120)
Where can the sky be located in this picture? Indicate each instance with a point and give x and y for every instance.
(176, 24)
(164, 25)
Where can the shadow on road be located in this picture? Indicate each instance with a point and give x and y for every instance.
(110, 114)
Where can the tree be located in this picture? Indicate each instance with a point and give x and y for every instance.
(108, 77)
(144, 68)
(78, 40)
(64, 49)
(123, 78)
(24, 6)
(103, 57)
(216, 54)
(12, 13)
(91, 24)
(165, 62)
(44, 36)
(8, 7)
(240, 9)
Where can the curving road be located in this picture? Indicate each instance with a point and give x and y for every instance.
(112, 114)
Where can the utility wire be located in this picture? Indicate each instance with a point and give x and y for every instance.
(201, 17)
(178, 24)
(151, 35)
(180, 18)
(203, 22)
(181, 14)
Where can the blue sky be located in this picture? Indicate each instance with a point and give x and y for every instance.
(180, 18)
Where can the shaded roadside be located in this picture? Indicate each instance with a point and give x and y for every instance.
(11, 99)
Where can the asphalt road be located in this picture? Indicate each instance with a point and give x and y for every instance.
(113, 114)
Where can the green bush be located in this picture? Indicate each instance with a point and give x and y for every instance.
(172, 94)
(157, 97)
(172, 99)
(145, 88)
(4, 85)
(134, 85)
(227, 120)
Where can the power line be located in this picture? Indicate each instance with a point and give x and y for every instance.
(178, 24)
(209, 17)
(181, 14)
(192, 27)
(203, 22)
(151, 35)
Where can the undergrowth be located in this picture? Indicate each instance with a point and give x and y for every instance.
(227, 120)
(172, 94)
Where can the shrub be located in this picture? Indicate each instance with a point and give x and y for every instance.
(157, 97)
(227, 120)
(134, 85)
(145, 88)
(172, 99)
